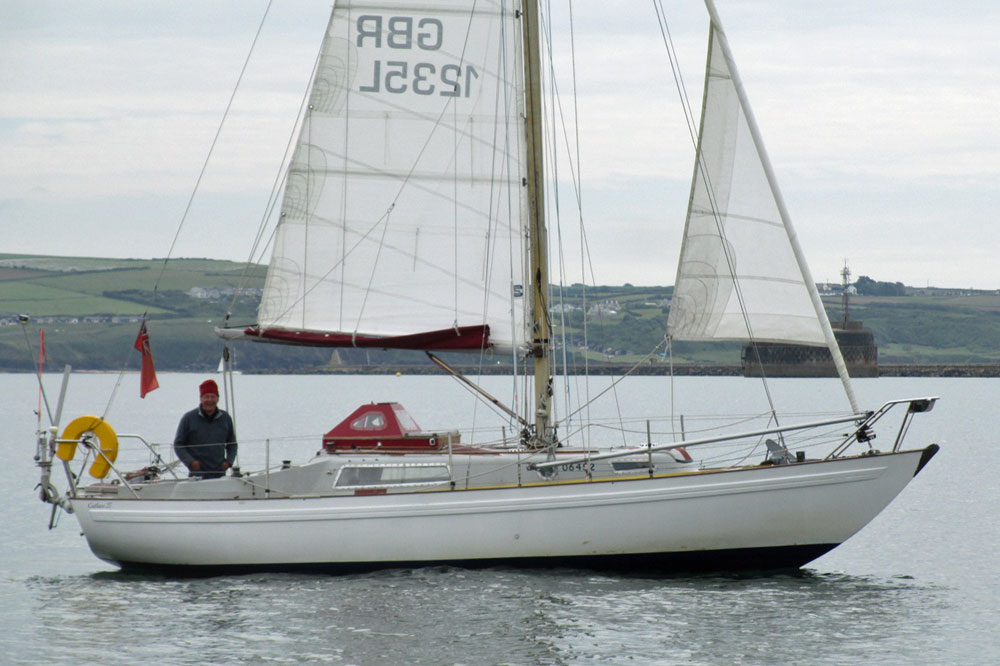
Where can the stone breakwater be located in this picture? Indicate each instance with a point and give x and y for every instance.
(689, 369)
(939, 370)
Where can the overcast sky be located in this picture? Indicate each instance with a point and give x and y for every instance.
(882, 119)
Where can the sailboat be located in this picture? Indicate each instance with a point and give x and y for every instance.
(413, 217)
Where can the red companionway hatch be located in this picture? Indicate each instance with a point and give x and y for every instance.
(385, 426)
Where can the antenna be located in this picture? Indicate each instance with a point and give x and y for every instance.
(846, 275)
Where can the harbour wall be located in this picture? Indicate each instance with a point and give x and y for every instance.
(686, 369)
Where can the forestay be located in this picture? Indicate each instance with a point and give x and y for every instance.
(401, 219)
(738, 277)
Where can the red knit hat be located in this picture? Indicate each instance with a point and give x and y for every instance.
(209, 386)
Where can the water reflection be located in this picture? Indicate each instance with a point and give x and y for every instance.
(942, 531)
(495, 616)
(799, 618)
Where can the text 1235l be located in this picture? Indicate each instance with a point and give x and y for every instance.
(424, 78)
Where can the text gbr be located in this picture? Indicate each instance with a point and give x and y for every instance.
(404, 33)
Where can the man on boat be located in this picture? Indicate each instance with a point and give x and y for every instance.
(206, 439)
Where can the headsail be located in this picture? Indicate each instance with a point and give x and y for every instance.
(400, 225)
(747, 268)
(737, 256)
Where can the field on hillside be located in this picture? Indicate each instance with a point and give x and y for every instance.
(90, 308)
(947, 327)
(72, 286)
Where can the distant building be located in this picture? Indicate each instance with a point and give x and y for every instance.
(215, 293)
(857, 346)
(203, 292)
(608, 307)
(663, 303)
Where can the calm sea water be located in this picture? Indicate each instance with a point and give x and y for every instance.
(917, 586)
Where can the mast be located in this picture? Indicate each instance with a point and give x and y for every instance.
(831, 340)
(538, 261)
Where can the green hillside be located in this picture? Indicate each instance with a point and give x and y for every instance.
(931, 326)
(90, 309)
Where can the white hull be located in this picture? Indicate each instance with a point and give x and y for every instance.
(759, 517)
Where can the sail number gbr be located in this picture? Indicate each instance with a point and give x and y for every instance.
(406, 33)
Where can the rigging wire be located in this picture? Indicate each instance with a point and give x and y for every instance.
(574, 164)
(586, 260)
(551, 151)
(503, 103)
(36, 363)
(187, 208)
(505, 107)
(121, 376)
(710, 190)
(618, 380)
(211, 148)
(345, 191)
(673, 393)
(583, 236)
(675, 69)
(258, 248)
(586, 257)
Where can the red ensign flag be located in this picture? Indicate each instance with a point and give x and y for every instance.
(147, 378)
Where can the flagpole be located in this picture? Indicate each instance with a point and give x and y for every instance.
(41, 365)
(24, 320)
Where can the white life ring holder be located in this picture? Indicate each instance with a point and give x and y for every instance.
(98, 428)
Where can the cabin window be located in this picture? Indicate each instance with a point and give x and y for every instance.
(369, 421)
(359, 476)
(629, 465)
(391, 475)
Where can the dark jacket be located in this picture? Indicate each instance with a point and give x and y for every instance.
(210, 441)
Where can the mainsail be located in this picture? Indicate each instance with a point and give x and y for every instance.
(401, 219)
(738, 277)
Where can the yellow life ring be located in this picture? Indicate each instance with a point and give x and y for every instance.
(105, 435)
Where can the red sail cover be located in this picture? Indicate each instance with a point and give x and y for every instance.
(463, 338)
